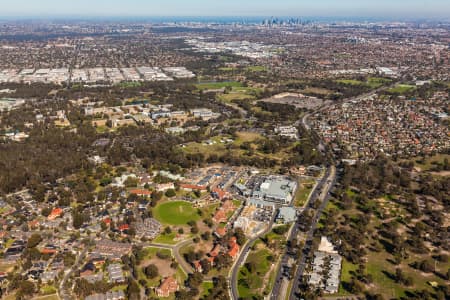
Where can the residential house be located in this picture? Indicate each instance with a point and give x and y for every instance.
(168, 285)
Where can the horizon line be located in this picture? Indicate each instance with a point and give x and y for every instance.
(114, 16)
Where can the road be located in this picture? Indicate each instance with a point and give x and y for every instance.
(176, 253)
(67, 273)
(240, 260)
(324, 197)
(325, 185)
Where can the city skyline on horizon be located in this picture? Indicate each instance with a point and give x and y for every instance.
(382, 9)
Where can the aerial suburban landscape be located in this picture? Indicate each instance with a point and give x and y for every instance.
(224, 158)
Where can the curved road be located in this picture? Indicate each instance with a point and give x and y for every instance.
(187, 268)
(61, 290)
(243, 255)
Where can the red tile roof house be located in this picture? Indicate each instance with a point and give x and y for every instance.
(215, 251)
(141, 192)
(220, 194)
(193, 187)
(168, 285)
(234, 248)
(56, 212)
(228, 206)
(220, 216)
(124, 227)
(210, 260)
(221, 231)
(49, 251)
(198, 266)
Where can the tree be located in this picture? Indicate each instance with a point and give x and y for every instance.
(281, 230)
(34, 240)
(46, 211)
(156, 196)
(131, 182)
(26, 289)
(251, 266)
(170, 193)
(219, 290)
(162, 255)
(133, 290)
(194, 229)
(240, 236)
(69, 259)
(399, 277)
(194, 280)
(356, 287)
(151, 271)
(206, 266)
(206, 236)
(174, 264)
(78, 220)
(426, 266)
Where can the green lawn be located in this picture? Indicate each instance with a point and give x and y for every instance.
(375, 266)
(303, 192)
(9, 243)
(346, 274)
(180, 276)
(102, 129)
(122, 287)
(274, 237)
(151, 252)
(175, 213)
(237, 203)
(221, 148)
(163, 238)
(235, 96)
(372, 82)
(130, 84)
(240, 93)
(350, 81)
(218, 148)
(256, 69)
(376, 82)
(402, 89)
(207, 150)
(205, 287)
(246, 136)
(48, 297)
(218, 85)
(254, 280)
(48, 289)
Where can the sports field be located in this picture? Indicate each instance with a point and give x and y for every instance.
(175, 213)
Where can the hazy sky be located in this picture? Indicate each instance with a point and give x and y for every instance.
(366, 8)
